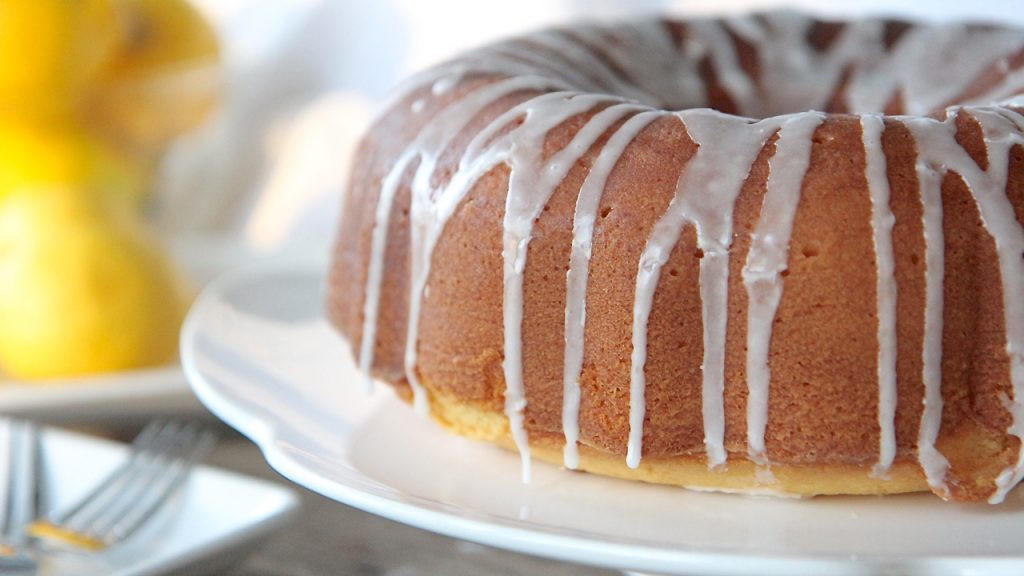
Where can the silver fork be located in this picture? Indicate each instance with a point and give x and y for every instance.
(160, 459)
(19, 450)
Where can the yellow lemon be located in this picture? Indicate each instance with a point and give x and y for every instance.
(160, 35)
(163, 79)
(64, 154)
(84, 286)
(50, 50)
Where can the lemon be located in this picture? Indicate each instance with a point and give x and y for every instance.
(162, 80)
(42, 153)
(160, 35)
(84, 286)
(50, 50)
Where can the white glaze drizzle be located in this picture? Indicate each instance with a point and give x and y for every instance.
(882, 221)
(708, 38)
(425, 148)
(802, 77)
(519, 54)
(1003, 131)
(578, 57)
(584, 218)
(939, 149)
(767, 260)
(941, 71)
(858, 47)
(930, 66)
(779, 40)
(667, 80)
(929, 179)
(710, 208)
(705, 195)
(429, 210)
(1012, 85)
(529, 190)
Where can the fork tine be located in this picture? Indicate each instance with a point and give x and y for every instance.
(7, 443)
(123, 484)
(159, 461)
(24, 494)
(186, 456)
(139, 446)
(18, 471)
(155, 467)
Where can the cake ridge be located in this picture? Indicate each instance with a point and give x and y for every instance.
(767, 260)
(988, 188)
(425, 149)
(710, 213)
(584, 216)
(529, 190)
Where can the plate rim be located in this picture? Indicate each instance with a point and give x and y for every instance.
(523, 537)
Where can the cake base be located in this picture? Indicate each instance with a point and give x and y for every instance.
(739, 475)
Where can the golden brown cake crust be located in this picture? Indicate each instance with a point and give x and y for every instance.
(691, 471)
(825, 424)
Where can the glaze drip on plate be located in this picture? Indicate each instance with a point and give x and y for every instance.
(607, 88)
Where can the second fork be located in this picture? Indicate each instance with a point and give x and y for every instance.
(19, 494)
(159, 462)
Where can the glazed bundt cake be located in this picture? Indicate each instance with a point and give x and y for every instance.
(809, 279)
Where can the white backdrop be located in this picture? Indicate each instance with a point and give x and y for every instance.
(303, 78)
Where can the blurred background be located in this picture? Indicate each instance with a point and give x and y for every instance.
(222, 129)
(305, 77)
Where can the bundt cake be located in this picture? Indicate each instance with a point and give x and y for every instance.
(766, 253)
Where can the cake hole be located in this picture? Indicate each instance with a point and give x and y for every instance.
(913, 259)
(784, 273)
(698, 253)
(810, 250)
(606, 211)
(673, 272)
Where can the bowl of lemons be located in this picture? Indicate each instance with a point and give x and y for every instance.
(92, 92)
